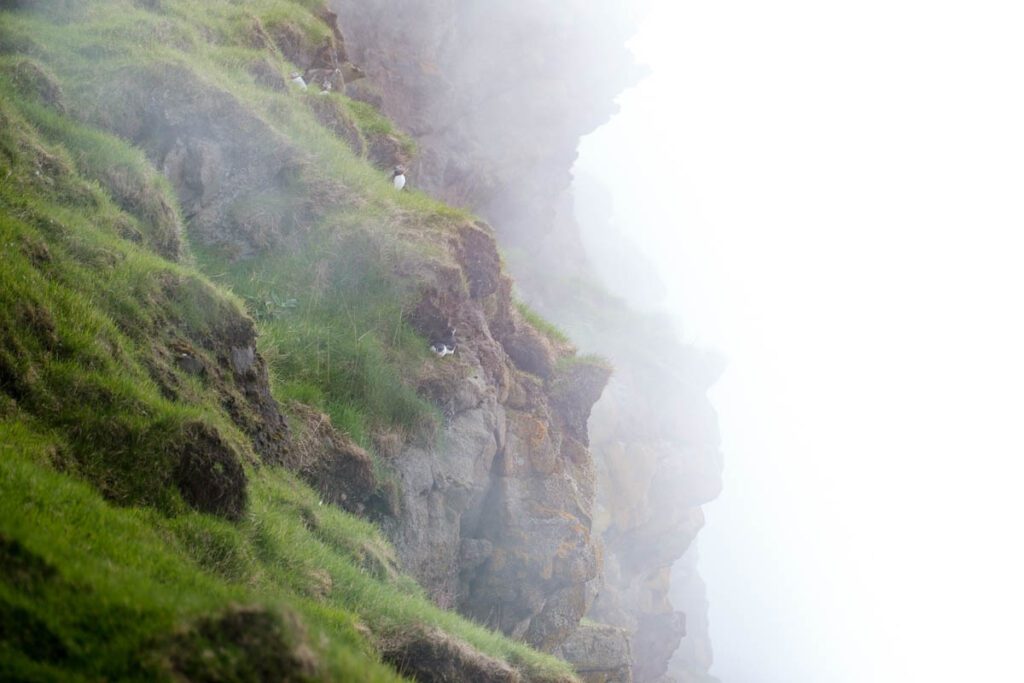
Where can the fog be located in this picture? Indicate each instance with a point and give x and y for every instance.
(830, 193)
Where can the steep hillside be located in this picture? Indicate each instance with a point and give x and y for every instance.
(215, 320)
(216, 315)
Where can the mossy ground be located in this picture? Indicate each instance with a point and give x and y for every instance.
(108, 571)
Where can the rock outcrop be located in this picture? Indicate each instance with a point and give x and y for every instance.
(495, 518)
(600, 653)
(657, 446)
(692, 661)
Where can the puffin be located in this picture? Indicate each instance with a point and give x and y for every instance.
(441, 350)
(444, 346)
(325, 88)
(398, 177)
(298, 80)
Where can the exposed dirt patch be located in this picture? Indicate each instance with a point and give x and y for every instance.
(23, 631)
(386, 151)
(331, 19)
(332, 115)
(208, 472)
(35, 82)
(39, 321)
(243, 644)
(296, 46)
(239, 372)
(332, 463)
(21, 567)
(254, 409)
(477, 252)
(143, 198)
(20, 629)
(529, 350)
(433, 656)
(264, 73)
(36, 251)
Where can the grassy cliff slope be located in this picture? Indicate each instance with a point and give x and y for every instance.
(148, 526)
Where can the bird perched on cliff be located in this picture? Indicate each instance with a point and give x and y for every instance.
(441, 350)
(325, 88)
(298, 80)
(398, 177)
(444, 345)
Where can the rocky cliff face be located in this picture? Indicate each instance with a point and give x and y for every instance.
(497, 96)
(692, 661)
(659, 461)
(494, 517)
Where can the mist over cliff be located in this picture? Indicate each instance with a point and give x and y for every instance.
(828, 190)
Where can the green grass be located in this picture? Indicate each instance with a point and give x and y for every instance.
(334, 335)
(108, 601)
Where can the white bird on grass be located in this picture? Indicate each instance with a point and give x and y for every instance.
(398, 177)
(298, 80)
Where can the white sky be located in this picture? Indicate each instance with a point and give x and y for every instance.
(834, 195)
